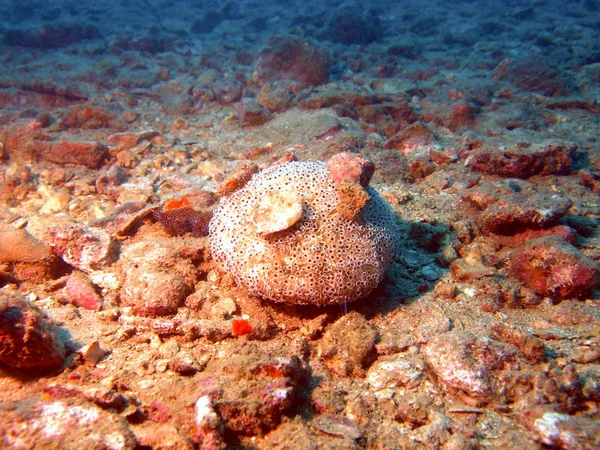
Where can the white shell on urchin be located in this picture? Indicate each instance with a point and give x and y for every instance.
(277, 211)
(283, 238)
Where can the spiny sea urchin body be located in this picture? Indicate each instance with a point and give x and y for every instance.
(287, 236)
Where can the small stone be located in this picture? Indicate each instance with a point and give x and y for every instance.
(91, 352)
(337, 426)
(81, 292)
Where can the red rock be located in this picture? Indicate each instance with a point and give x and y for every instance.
(350, 167)
(513, 212)
(413, 137)
(524, 160)
(86, 117)
(90, 154)
(554, 268)
(81, 292)
(532, 74)
(291, 58)
(28, 338)
(252, 114)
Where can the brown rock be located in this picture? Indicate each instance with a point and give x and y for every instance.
(348, 345)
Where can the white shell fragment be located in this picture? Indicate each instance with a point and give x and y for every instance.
(277, 211)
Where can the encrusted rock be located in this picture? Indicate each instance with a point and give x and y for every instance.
(553, 267)
(28, 338)
(85, 248)
(291, 59)
(65, 423)
(250, 391)
(348, 345)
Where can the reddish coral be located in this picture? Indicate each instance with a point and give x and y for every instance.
(241, 327)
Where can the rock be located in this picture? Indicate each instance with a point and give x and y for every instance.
(513, 212)
(250, 390)
(532, 74)
(477, 370)
(88, 249)
(552, 267)
(348, 345)
(28, 339)
(350, 167)
(524, 160)
(65, 423)
(291, 58)
(81, 292)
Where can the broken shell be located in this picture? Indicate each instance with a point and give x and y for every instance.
(277, 211)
